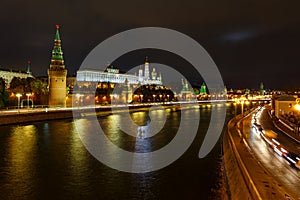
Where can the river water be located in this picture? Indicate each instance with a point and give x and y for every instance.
(47, 160)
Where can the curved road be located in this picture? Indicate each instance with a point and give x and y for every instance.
(284, 175)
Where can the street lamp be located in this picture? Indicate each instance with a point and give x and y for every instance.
(28, 95)
(18, 95)
(111, 98)
(242, 102)
(235, 107)
(141, 97)
(297, 105)
(154, 97)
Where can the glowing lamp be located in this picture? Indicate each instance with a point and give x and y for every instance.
(297, 107)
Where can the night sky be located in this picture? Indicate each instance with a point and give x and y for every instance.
(250, 41)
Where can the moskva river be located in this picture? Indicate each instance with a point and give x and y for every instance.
(47, 159)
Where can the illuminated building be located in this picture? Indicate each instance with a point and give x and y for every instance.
(284, 105)
(113, 75)
(185, 92)
(9, 74)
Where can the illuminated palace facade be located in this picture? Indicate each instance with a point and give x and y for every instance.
(9, 74)
(113, 75)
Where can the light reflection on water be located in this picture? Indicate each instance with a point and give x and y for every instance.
(21, 158)
(47, 160)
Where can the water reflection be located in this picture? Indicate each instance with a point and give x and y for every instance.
(47, 160)
(21, 159)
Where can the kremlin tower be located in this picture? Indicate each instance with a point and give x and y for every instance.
(147, 71)
(57, 75)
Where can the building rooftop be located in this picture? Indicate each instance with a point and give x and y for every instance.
(12, 70)
(286, 98)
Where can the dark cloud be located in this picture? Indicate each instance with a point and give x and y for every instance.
(250, 41)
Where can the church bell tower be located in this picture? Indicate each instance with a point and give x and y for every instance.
(57, 75)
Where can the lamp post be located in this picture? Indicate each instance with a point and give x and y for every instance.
(111, 98)
(18, 95)
(242, 107)
(79, 99)
(247, 103)
(141, 98)
(28, 95)
(235, 109)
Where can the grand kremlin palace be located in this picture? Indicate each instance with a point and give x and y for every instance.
(113, 75)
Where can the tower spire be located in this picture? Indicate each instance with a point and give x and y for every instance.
(57, 54)
(147, 71)
(57, 32)
(146, 60)
(28, 67)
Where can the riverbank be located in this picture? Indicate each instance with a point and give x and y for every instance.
(29, 115)
(8, 117)
(26, 116)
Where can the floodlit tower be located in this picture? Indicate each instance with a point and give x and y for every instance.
(160, 78)
(225, 90)
(203, 89)
(57, 75)
(261, 89)
(140, 74)
(153, 74)
(147, 72)
(126, 92)
(185, 91)
(28, 67)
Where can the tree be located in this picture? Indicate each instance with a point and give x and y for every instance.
(3, 93)
(17, 85)
(2, 85)
(38, 87)
(29, 85)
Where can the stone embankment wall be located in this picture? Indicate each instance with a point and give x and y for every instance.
(31, 117)
(237, 185)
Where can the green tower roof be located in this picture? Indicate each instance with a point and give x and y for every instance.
(203, 89)
(57, 54)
